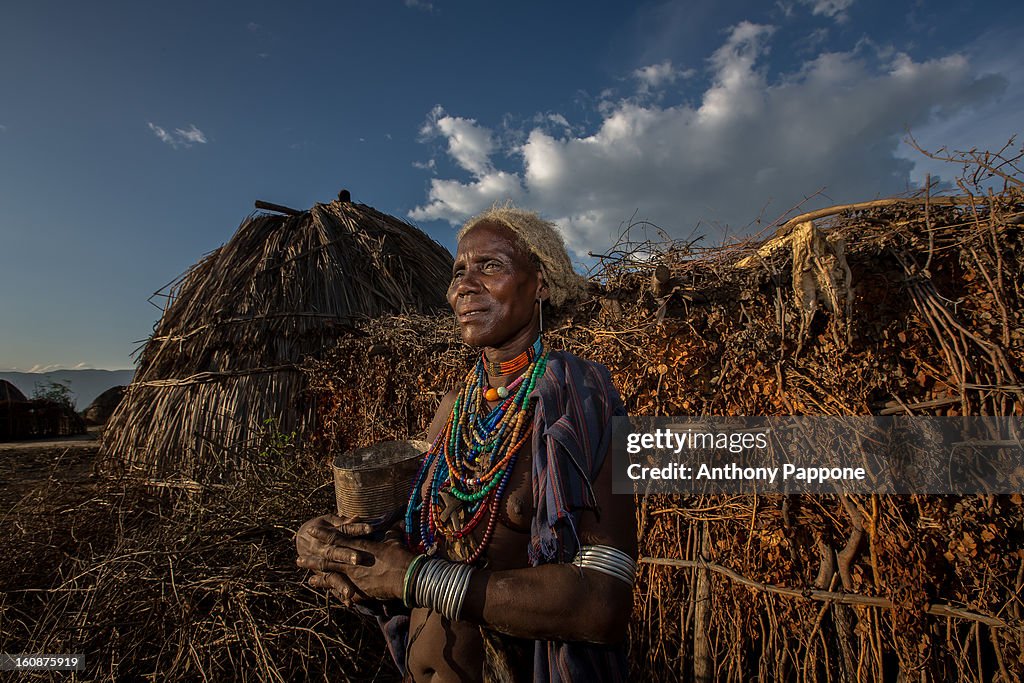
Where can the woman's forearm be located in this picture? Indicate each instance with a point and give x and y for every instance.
(551, 602)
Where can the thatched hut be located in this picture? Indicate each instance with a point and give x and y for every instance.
(9, 392)
(218, 382)
(103, 406)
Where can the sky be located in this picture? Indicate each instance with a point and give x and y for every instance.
(135, 137)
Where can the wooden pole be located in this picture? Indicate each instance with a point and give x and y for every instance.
(267, 206)
(703, 663)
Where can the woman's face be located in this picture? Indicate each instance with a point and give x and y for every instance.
(495, 285)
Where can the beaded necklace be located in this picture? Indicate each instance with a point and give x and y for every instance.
(471, 461)
(507, 367)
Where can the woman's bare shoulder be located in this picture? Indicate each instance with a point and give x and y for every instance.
(444, 409)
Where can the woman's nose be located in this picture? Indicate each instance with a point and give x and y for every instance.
(467, 284)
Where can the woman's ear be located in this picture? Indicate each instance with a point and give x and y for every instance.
(542, 288)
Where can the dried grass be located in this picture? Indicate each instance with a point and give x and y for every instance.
(183, 583)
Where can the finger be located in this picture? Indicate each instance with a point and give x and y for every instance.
(369, 549)
(323, 563)
(318, 564)
(333, 536)
(350, 527)
(342, 588)
(348, 555)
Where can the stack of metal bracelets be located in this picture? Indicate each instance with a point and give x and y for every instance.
(437, 584)
(607, 560)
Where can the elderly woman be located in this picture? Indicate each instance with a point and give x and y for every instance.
(516, 561)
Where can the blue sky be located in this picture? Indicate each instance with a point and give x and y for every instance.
(134, 137)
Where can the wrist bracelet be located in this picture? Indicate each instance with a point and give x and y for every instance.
(410, 577)
(440, 585)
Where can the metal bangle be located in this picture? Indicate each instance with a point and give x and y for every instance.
(424, 582)
(432, 583)
(450, 591)
(607, 557)
(607, 560)
(626, 573)
(442, 586)
(446, 587)
(467, 574)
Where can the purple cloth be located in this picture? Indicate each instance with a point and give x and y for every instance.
(572, 433)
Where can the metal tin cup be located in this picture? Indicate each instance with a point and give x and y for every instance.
(372, 484)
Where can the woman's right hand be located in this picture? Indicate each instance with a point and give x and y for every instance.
(311, 552)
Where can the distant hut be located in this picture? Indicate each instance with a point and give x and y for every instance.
(9, 392)
(221, 369)
(10, 422)
(24, 418)
(103, 406)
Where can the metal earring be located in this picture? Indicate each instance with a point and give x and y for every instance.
(540, 304)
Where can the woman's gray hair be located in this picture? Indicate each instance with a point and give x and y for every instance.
(541, 239)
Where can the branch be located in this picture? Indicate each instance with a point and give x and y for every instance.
(938, 610)
(979, 159)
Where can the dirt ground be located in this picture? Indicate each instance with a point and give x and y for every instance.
(27, 467)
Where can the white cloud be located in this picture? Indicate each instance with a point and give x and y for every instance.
(3, 128)
(54, 367)
(987, 126)
(654, 76)
(180, 137)
(161, 133)
(469, 144)
(559, 120)
(834, 9)
(751, 141)
(192, 136)
(813, 41)
(455, 201)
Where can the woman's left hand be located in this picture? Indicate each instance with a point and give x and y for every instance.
(376, 569)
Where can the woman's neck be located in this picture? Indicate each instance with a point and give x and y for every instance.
(507, 354)
(512, 348)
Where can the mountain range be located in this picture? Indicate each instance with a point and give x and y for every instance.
(85, 385)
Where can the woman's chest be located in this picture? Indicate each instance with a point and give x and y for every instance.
(500, 522)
